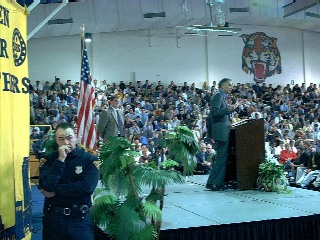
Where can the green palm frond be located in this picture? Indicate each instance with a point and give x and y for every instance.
(183, 146)
(157, 178)
(132, 202)
(152, 211)
(185, 136)
(181, 153)
(50, 144)
(98, 191)
(119, 184)
(128, 157)
(115, 155)
(105, 200)
(149, 232)
(155, 195)
(126, 222)
(152, 164)
(102, 210)
(100, 216)
(168, 164)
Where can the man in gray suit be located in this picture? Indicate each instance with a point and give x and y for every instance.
(219, 128)
(111, 121)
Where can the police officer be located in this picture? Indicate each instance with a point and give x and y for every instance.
(67, 180)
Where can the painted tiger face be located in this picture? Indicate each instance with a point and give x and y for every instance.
(260, 56)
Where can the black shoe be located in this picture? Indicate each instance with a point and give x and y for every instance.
(214, 187)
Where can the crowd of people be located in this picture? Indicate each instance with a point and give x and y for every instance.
(149, 110)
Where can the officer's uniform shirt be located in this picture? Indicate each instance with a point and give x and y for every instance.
(73, 181)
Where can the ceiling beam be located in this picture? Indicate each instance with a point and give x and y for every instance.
(33, 5)
(297, 6)
(54, 12)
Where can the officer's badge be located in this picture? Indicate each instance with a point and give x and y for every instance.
(78, 169)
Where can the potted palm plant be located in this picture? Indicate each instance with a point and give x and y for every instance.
(121, 208)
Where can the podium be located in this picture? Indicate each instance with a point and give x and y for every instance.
(246, 152)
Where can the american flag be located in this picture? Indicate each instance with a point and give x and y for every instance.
(85, 124)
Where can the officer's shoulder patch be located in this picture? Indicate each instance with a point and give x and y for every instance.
(97, 164)
(42, 161)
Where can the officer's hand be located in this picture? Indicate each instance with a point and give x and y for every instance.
(63, 152)
(48, 194)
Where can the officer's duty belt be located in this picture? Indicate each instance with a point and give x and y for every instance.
(77, 211)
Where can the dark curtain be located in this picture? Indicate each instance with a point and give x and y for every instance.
(307, 227)
(296, 228)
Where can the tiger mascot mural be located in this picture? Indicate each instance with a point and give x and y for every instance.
(260, 56)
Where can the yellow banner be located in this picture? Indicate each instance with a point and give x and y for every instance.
(15, 197)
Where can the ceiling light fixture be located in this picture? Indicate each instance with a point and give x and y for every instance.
(218, 22)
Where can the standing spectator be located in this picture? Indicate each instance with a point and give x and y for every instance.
(111, 122)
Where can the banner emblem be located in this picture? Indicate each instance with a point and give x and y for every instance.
(19, 48)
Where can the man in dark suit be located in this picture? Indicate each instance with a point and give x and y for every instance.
(111, 122)
(219, 128)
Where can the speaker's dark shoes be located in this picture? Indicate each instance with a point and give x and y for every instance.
(214, 187)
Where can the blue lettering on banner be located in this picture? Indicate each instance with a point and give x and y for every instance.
(4, 16)
(3, 49)
(10, 83)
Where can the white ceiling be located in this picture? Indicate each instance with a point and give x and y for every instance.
(125, 15)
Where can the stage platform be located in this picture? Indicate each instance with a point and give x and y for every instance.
(192, 212)
(197, 207)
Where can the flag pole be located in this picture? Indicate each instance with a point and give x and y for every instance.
(82, 28)
(85, 123)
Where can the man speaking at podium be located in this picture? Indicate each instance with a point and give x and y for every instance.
(219, 128)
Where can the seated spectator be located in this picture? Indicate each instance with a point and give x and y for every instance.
(196, 132)
(203, 166)
(287, 156)
(145, 157)
(299, 134)
(35, 135)
(161, 126)
(308, 131)
(278, 149)
(143, 140)
(152, 147)
(134, 130)
(312, 171)
(236, 118)
(175, 121)
(210, 153)
(38, 147)
(300, 163)
(292, 146)
(160, 155)
(139, 122)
